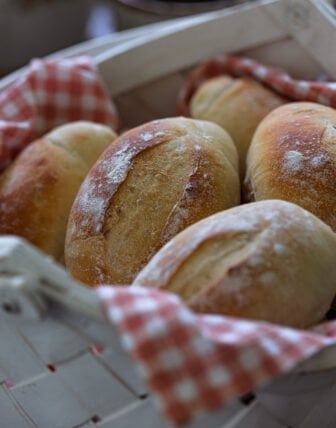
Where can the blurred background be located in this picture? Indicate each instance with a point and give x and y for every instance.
(34, 28)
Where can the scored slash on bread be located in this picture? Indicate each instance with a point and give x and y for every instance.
(269, 260)
(154, 181)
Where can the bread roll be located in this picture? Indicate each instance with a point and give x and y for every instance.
(236, 104)
(269, 260)
(154, 181)
(38, 189)
(293, 157)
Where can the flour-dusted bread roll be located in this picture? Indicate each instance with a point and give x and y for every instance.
(236, 104)
(268, 260)
(153, 182)
(293, 157)
(38, 189)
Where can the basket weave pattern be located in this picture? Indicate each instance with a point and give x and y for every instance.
(66, 371)
(70, 371)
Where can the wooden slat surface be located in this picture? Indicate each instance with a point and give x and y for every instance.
(155, 55)
(10, 416)
(312, 24)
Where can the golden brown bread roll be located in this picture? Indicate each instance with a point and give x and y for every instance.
(236, 104)
(293, 157)
(38, 189)
(269, 260)
(154, 181)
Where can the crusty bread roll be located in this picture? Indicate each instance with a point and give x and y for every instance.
(236, 104)
(269, 260)
(38, 189)
(293, 157)
(154, 181)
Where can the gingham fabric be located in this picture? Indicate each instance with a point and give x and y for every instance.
(191, 362)
(49, 93)
(196, 363)
(274, 78)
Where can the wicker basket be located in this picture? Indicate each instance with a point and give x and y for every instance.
(61, 364)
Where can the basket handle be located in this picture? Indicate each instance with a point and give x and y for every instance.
(174, 46)
(311, 23)
(238, 20)
(27, 277)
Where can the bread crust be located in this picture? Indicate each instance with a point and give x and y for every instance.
(153, 182)
(38, 189)
(236, 104)
(269, 260)
(293, 157)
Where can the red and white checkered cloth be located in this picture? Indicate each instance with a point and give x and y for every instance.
(195, 363)
(49, 93)
(278, 80)
(191, 362)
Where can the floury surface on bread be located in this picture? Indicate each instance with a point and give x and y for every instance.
(293, 157)
(39, 187)
(237, 105)
(269, 260)
(153, 182)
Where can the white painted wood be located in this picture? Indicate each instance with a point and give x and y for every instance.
(53, 341)
(323, 414)
(101, 44)
(120, 364)
(312, 24)
(2, 375)
(291, 411)
(139, 61)
(50, 404)
(95, 332)
(18, 361)
(94, 386)
(284, 54)
(96, 46)
(88, 424)
(254, 416)
(325, 359)
(155, 55)
(153, 100)
(296, 383)
(10, 416)
(141, 414)
(291, 398)
(269, 21)
(18, 257)
(19, 295)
